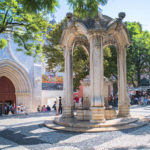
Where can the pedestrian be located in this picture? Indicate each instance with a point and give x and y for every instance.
(110, 100)
(48, 108)
(0, 110)
(38, 108)
(14, 108)
(18, 109)
(81, 100)
(77, 101)
(57, 106)
(44, 108)
(54, 106)
(5, 109)
(11, 109)
(145, 100)
(60, 105)
(22, 109)
(116, 101)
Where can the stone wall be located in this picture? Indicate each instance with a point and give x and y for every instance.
(24, 73)
(48, 97)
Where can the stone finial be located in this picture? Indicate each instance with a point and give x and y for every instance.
(70, 19)
(121, 15)
(69, 16)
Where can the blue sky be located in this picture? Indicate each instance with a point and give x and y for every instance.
(136, 10)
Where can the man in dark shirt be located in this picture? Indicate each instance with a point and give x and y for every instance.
(60, 105)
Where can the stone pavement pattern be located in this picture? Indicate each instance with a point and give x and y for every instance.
(27, 132)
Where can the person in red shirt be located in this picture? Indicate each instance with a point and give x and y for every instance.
(77, 101)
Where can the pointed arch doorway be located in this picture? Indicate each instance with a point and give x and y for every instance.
(7, 92)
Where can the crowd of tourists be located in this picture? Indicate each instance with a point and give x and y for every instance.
(44, 108)
(57, 106)
(140, 98)
(113, 100)
(13, 109)
(9, 108)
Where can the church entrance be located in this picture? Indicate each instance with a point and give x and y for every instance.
(7, 93)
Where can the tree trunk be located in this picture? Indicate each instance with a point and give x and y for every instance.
(138, 76)
(133, 83)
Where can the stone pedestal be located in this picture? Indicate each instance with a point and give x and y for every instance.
(67, 111)
(106, 102)
(110, 114)
(86, 103)
(83, 114)
(124, 111)
(97, 114)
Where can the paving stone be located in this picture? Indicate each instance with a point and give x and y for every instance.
(28, 132)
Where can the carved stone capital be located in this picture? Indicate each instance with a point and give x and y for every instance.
(97, 40)
(121, 48)
(96, 34)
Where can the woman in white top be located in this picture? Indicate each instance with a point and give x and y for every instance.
(57, 106)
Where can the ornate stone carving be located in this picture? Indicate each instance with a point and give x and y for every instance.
(121, 16)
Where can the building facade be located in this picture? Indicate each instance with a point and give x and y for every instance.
(20, 78)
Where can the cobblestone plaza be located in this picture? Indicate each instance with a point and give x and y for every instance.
(28, 132)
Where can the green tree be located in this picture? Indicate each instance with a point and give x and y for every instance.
(80, 65)
(81, 8)
(138, 54)
(36, 6)
(52, 50)
(25, 20)
(110, 62)
(85, 8)
(27, 29)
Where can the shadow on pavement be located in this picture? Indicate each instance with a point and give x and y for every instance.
(24, 135)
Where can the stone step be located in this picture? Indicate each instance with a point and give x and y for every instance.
(72, 122)
(76, 128)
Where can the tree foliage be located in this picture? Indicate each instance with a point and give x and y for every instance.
(81, 8)
(52, 50)
(36, 6)
(110, 62)
(27, 29)
(138, 54)
(80, 66)
(26, 21)
(85, 8)
(3, 43)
